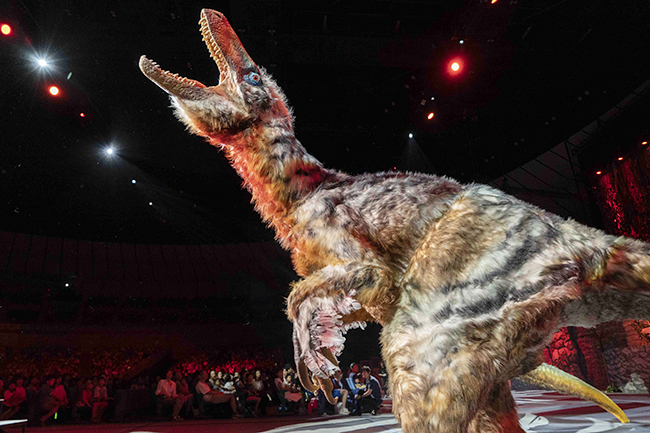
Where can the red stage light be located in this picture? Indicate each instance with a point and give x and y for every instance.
(6, 29)
(599, 173)
(620, 158)
(493, 1)
(54, 91)
(82, 115)
(644, 143)
(455, 66)
(430, 116)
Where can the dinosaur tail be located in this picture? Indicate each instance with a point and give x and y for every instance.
(553, 378)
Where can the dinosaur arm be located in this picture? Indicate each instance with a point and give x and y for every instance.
(325, 304)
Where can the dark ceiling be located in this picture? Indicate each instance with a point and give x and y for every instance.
(360, 75)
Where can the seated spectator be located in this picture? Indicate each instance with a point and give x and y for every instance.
(166, 390)
(100, 400)
(215, 397)
(253, 394)
(280, 391)
(85, 402)
(215, 380)
(383, 375)
(49, 402)
(261, 388)
(14, 397)
(292, 393)
(368, 399)
(341, 396)
(184, 393)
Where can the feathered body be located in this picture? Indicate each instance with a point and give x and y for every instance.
(469, 283)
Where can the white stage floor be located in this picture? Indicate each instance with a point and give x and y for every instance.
(539, 412)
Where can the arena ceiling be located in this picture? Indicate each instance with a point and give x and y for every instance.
(361, 76)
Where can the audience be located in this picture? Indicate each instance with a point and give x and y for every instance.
(215, 397)
(239, 380)
(14, 397)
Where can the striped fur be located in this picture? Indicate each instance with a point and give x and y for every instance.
(469, 283)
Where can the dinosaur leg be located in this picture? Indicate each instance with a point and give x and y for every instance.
(498, 415)
(442, 379)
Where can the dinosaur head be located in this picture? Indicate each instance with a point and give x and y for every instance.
(244, 93)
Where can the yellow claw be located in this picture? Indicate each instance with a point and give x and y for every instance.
(553, 378)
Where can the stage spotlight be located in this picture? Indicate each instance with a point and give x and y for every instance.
(430, 116)
(150, 203)
(110, 151)
(620, 158)
(599, 172)
(6, 29)
(82, 115)
(493, 1)
(455, 66)
(42, 63)
(644, 143)
(410, 135)
(54, 91)
(133, 181)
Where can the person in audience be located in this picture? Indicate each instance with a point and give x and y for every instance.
(85, 402)
(59, 391)
(166, 390)
(100, 400)
(253, 394)
(185, 394)
(368, 400)
(292, 392)
(280, 391)
(262, 389)
(49, 401)
(215, 380)
(214, 396)
(341, 396)
(383, 375)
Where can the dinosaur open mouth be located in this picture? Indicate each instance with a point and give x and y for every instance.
(225, 49)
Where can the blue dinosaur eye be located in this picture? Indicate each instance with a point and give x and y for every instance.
(253, 78)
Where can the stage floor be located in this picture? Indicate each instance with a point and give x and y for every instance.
(539, 412)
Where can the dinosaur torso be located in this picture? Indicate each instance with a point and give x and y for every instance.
(386, 213)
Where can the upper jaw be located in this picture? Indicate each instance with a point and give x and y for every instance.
(225, 48)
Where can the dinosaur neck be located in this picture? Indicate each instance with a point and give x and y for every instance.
(275, 168)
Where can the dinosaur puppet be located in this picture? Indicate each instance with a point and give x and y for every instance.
(468, 282)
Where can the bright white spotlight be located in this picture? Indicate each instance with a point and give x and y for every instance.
(42, 62)
(110, 151)
(133, 181)
(410, 135)
(150, 203)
